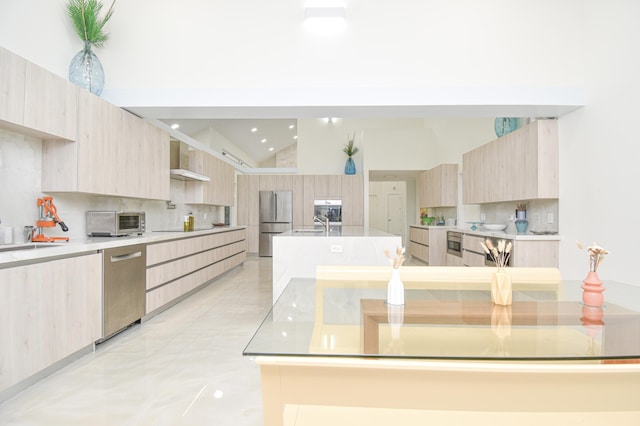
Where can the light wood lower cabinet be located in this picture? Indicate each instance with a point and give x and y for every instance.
(453, 260)
(534, 253)
(428, 245)
(174, 268)
(48, 311)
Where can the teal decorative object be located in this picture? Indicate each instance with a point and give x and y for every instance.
(504, 125)
(521, 225)
(350, 167)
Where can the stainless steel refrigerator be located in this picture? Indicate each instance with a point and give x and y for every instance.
(275, 217)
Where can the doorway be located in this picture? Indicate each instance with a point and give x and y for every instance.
(388, 206)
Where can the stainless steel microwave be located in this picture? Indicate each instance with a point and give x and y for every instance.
(115, 224)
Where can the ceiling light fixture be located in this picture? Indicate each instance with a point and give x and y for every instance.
(263, 140)
(291, 126)
(255, 129)
(233, 158)
(271, 149)
(295, 136)
(324, 12)
(174, 126)
(325, 19)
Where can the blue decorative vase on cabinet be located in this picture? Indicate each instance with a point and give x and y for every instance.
(350, 167)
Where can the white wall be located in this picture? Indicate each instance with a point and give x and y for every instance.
(251, 51)
(599, 171)
(260, 50)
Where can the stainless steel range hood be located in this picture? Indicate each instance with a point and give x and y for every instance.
(179, 168)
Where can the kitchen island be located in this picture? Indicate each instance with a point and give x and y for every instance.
(296, 253)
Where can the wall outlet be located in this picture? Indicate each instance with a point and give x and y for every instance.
(336, 248)
(549, 217)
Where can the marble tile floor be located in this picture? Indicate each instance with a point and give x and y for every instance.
(182, 367)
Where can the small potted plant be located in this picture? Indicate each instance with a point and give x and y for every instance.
(85, 69)
(350, 149)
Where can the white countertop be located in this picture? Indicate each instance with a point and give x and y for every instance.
(335, 231)
(88, 244)
(496, 234)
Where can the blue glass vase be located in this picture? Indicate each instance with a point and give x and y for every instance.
(86, 70)
(350, 167)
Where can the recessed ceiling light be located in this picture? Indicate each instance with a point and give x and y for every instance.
(295, 137)
(175, 126)
(255, 129)
(271, 149)
(263, 140)
(291, 126)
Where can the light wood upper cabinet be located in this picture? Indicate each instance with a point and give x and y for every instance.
(328, 187)
(521, 165)
(352, 200)
(438, 187)
(51, 103)
(13, 71)
(220, 190)
(116, 154)
(36, 102)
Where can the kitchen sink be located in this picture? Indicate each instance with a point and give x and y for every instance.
(27, 247)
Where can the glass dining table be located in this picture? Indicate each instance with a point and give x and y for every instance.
(329, 337)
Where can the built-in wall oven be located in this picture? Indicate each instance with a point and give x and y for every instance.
(329, 208)
(454, 243)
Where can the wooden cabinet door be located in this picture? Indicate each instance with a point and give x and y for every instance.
(43, 320)
(13, 70)
(309, 196)
(521, 165)
(353, 200)
(51, 103)
(98, 145)
(298, 200)
(220, 190)
(328, 187)
(154, 163)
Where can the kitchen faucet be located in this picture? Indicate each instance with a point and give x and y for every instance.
(324, 221)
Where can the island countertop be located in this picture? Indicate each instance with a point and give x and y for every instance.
(335, 231)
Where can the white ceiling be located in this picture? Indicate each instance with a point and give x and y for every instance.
(277, 133)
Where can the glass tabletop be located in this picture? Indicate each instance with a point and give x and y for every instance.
(546, 322)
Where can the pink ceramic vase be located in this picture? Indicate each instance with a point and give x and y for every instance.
(592, 294)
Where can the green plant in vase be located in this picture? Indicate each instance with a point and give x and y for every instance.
(350, 149)
(85, 69)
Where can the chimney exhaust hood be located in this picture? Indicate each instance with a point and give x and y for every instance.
(179, 168)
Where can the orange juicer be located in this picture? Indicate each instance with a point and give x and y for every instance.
(48, 219)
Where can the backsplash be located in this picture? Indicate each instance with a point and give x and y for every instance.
(20, 183)
(538, 212)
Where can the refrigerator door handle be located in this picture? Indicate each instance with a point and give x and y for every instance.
(275, 195)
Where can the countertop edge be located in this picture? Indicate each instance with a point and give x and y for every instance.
(494, 234)
(90, 244)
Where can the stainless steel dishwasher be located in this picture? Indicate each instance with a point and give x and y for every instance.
(123, 287)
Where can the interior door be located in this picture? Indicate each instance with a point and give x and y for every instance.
(395, 214)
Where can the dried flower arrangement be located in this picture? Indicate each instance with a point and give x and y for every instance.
(521, 206)
(596, 255)
(500, 254)
(396, 260)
